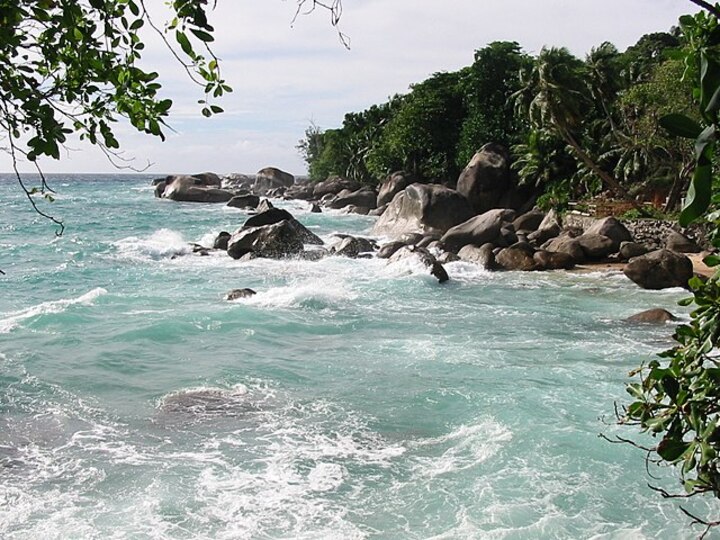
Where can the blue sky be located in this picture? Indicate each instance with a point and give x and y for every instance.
(286, 75)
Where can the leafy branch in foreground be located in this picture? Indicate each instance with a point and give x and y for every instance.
(73, 66)
(677, 398)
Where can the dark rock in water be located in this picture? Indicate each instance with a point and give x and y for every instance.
(244, 201)
(423, 256)
(611, 228)
(363, 197)
(351, 246)
(334, 185)
(486, 179)
(548, 260)
(277, 192)
(239, 293)
(191, 189)
(352, 209)
(393, 185)
(478, 230)
(206, 403)
(679, 243)
(208, 179)
(313, 254)
(386, 250)
(423, 208)
(302, 191)
(200, 250)
(628, 250)
(268, 217)
(272, 241)
(221, 240)
(596, 246)
(652, 316)
(517, 257)
(660, 269)
(410, 239)
(482, 255)
(306, 235)
(315, 209)
(160, 188)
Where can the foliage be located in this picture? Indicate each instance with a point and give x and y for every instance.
(677, 399)
(486, 87)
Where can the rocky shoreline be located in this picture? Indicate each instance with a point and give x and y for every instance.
(484, 219)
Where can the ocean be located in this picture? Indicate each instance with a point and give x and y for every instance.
(347, 399)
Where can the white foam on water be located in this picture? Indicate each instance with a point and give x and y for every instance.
(465, 447)
(162, 244)
(12, 320)
(310, 293)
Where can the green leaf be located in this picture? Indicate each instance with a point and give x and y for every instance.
(698, 196)
(712, 260)
(670, 449)
(681, 126)
(216, 109)
(202, 35)
(184, 42)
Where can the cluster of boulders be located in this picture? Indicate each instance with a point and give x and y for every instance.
(484, 218)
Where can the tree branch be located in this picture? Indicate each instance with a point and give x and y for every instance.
(707, 6)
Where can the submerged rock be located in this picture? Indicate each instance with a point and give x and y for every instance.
(239, 293)
(652, 316)
(424, 257)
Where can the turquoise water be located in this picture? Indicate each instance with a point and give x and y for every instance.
(347, 399)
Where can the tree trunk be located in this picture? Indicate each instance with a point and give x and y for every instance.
(608, 180)
(678, 187)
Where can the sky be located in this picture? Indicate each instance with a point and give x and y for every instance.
(286, 75)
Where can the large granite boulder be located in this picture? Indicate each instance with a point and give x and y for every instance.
(185, 188)
(304, 191)
(209, 179)
(517, 257)
(652, 316)
(548, 260)
(679, 243)
(244, 201)
(361, 198)
(271, 178)
(661, 269)
(272, 241)
(353, 247)
(268, 217)
(423, 208)
(486, 179)
(529, 221)
(334, 185)
(393, 185)
(478, 230)
(423, 256)
(613, 229)
(568, 245)
(482, 255)
(596, 246)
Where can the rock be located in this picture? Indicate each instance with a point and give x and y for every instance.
(410, 239)
(652, 316)
(359, 210)
(628, 250)
(477, 230)
(190, 189)
(596, 246)
(386, 250)
(551, 219)
(543, 234)
(486, 178)
(276, 193)
(482, 255)
(529, 221)
(423, 208)
(208, 179)
(679, 243)
(548, 260)
(507, 236)
(393, 185)
(271, 178)
(315, 209)
(304, 191)
(239, 181)
(425, 241)
(272, 241)
(351, 246)
(424, 257)
(333, 186)
(221, 240)
(363, 197)
(313, 254)
(264, 206)
(244, 201)
(660, 269)
(611, 228)
(568, 245)
(268, 217)
(447, 257)
(379, 211)
(239, 293)
(517, 257)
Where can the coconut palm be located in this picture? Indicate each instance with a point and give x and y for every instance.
(554, 96)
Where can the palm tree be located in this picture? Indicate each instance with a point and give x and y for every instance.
(554, 97)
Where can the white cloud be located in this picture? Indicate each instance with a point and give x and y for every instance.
(284, 76)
